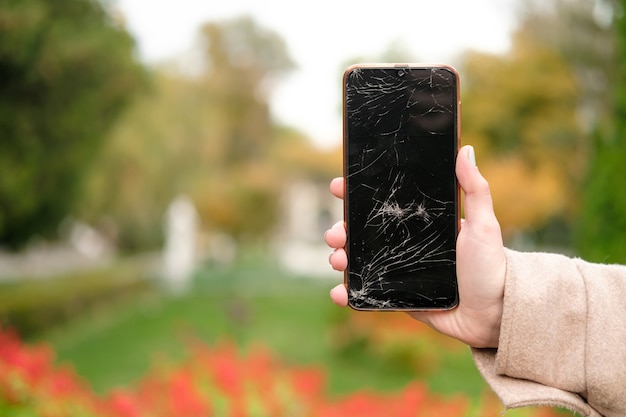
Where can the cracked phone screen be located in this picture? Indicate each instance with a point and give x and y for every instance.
(401, 202)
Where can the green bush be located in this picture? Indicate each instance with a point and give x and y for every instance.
(30, 306)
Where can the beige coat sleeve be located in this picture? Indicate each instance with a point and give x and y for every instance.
(563, 336)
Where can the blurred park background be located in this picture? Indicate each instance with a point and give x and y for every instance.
(148, 208)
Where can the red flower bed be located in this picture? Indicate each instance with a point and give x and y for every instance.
(211, 381)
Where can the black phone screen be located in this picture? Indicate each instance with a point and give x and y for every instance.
(401, 199)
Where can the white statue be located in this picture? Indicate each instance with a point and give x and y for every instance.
(181, 228)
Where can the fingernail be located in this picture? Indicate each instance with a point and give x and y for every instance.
(471, 155)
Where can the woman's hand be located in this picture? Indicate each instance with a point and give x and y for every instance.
(481, 263)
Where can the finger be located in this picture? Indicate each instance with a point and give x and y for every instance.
(478, 205)
(337, 187)
(339, 295)
(335, 237)
(338, 260)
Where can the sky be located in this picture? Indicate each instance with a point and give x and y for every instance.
(322, 36)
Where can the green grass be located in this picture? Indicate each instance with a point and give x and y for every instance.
(252, 303)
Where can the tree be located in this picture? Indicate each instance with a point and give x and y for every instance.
(520, 110)
(66, 73)
(210, 136)
(601, 232)
(243, 61)
(581, 32)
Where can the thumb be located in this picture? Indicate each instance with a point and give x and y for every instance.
(478, 205)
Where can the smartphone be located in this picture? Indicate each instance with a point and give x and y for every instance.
(401, 205)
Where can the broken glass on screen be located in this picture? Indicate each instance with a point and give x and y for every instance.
(401, 201)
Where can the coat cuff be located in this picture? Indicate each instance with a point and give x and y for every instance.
(518, 393)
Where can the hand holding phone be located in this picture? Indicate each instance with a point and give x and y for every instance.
(481, 262)
(401, 129)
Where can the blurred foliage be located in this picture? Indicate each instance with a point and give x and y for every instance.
(66, 73)
(31, 306)
(583, 34)
(209, 136)
(520, 111)
(534, 113)
(590, 36)
(601, 230)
